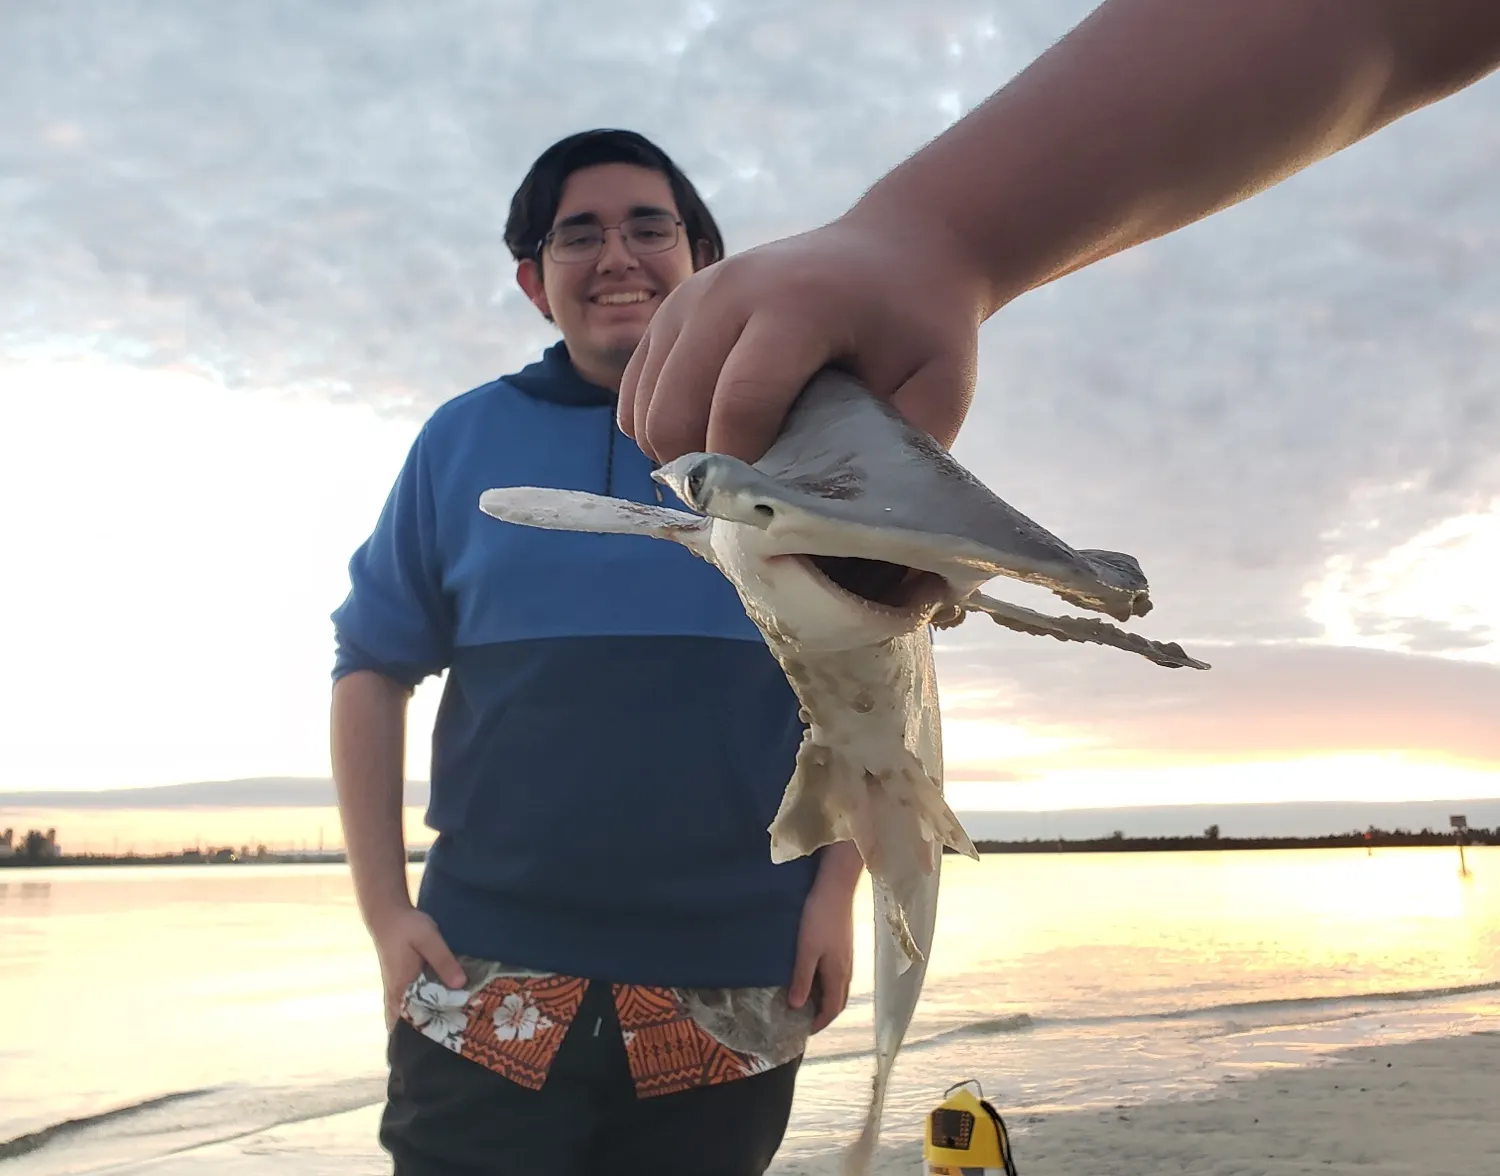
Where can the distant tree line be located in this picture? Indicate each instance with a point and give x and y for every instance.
(34, 846)
(1213, 838)
(40, 848)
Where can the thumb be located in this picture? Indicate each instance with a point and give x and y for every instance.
(429, 944)
(803, 972)
(937, 396)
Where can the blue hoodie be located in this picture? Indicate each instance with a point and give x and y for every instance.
(613, 737)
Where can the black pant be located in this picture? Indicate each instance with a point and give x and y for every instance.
(448, 1116)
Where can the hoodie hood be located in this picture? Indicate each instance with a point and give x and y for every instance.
(554, 378)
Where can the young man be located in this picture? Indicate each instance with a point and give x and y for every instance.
(603, 970)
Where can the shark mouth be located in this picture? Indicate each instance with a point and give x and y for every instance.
(887, 585)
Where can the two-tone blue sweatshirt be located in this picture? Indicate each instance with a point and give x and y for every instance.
(614, 736)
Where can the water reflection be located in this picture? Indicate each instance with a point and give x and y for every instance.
(272, 965)
(25, 892)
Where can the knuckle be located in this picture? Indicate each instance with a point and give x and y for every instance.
(744, 390)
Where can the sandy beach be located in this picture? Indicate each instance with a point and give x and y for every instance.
(1430, 1107)
(1426, 1107)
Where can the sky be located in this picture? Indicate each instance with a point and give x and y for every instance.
(247, 248)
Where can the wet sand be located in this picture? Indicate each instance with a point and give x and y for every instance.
(1429, 1107)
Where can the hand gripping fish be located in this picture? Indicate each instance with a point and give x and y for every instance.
(849, 541)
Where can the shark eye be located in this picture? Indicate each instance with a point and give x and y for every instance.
(693, 483)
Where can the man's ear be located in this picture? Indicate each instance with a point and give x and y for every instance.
(529, 278)
(703, 253)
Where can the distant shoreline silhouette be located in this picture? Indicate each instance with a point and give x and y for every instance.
(1210, 839)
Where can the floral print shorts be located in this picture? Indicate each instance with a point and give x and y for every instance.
(512, 1020)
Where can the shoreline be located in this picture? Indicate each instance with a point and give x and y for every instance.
(1424, 1105)
(1369, 840)
(1420, 1106)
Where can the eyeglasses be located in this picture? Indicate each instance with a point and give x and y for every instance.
(574, 244)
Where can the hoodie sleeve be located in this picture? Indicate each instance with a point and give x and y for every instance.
(396, 619)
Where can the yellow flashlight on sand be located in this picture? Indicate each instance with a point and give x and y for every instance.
(965, 1136)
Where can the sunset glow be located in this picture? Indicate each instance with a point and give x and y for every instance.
(218, 525)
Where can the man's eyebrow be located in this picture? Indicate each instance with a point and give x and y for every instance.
(592, 218)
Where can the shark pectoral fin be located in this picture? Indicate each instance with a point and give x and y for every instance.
(818, 807)
(575, 510)
(898, 820)
(821, 806)
(1024, 620)
(906, 793)
(945, 825)
(831, 799)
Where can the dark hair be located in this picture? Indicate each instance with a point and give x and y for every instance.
(535, 202)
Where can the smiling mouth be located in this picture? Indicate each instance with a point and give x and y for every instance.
(885, 585)
(634, 298)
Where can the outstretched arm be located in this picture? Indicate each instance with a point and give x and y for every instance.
(1152, 114)
(1149, 115)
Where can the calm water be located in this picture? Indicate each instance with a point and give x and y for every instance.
(1059, 981)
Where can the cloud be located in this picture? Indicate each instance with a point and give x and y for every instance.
(1258, 702)
(313, 195)
(1425, 635)
(1300, 377)
(307, 199)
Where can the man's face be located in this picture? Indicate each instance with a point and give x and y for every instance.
(603, 306)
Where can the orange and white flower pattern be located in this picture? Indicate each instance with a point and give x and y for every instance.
(518, 1019)
(512, 1021)
(438, 1011)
